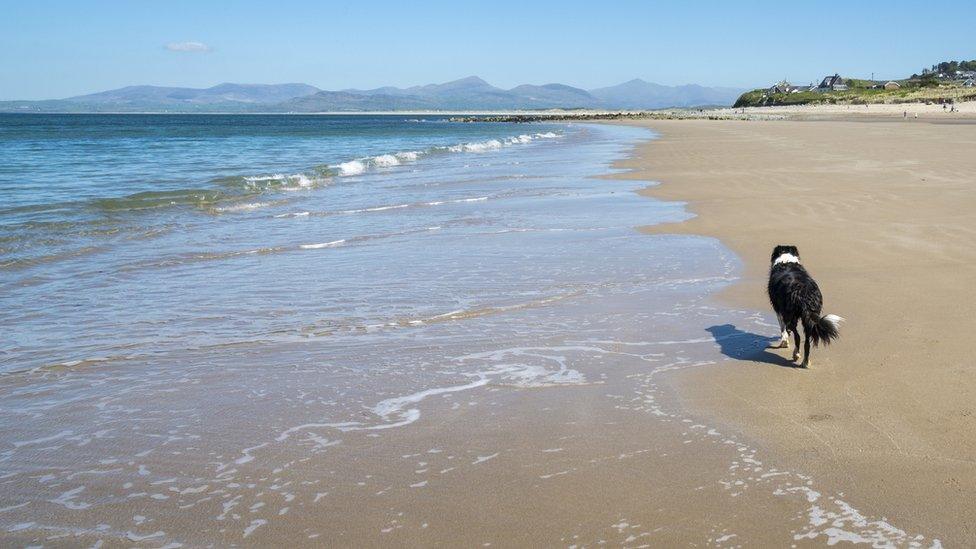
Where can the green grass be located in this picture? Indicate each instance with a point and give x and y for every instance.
(856, 83)
(912, 90)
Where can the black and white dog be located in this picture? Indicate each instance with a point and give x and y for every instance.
(796, 298)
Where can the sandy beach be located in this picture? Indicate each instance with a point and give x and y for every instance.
(546, 375)
(963, 111)
(516, 388)
(882, 214)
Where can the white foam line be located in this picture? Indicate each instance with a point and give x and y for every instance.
(331, 244)
(401, 206)
(376, 209)
(301, 180)
(390, 406)
(409, 417)
(12, 507)
(242, 207)
(247, 457)
(57, 436)
(288, 432)
(502, 353)
(255, 524)
(66, 499)
(132, 536)
(877, 533)
(447, 315)
(482, 459)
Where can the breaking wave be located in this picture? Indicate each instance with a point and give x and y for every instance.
(238, 193)
(362, 165)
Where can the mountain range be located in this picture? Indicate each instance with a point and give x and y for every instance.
(467, 94)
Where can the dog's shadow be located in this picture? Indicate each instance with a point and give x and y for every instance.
(740, 345)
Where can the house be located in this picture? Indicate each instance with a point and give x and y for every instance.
(832, 83)
(892, 85)
(785, 87)
(969, 83)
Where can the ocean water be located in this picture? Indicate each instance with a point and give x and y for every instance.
(141, 229)
(221, 329)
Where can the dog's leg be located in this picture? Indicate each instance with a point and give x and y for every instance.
(806, 350)
(784, 340)
(796, 344)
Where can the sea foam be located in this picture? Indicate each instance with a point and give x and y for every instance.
(353, 167)
(320, 245)
(386, 161)
(360, 166)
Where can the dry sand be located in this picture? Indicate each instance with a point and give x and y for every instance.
(964, 110)
(883, 216)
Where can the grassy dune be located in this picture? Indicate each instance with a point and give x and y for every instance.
(860, 93)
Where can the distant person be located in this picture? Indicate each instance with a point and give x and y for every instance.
(916, 116)
(905, 115)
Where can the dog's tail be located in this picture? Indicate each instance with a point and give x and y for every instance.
(823, 329)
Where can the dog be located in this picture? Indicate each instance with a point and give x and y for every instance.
(796, 299)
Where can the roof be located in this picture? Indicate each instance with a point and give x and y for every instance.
(831, 81)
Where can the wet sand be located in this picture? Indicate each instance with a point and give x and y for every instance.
(883, 217)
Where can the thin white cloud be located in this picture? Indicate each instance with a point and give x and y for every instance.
(188, 47)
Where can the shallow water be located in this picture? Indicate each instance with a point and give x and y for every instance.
(297, 361)
(147, 234)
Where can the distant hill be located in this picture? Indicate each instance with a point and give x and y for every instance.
(220, 98)
(638, 94)
(467, 94)
(216, 95)
(471, 93)
(344, 101)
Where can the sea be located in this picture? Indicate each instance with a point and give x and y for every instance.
(252, 329)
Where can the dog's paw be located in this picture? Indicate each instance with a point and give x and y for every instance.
(805, 364)
(796, 356)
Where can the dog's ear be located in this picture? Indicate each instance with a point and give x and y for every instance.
(777, 251)
(784, 249)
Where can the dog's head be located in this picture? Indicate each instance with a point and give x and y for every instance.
(784, 249)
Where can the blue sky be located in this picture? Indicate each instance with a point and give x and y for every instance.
(53, 49)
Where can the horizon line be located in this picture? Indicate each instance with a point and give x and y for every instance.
(400, 87)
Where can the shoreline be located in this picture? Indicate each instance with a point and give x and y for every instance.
(965, 113)
(546, 419)
(887, 208)
(519, 419)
